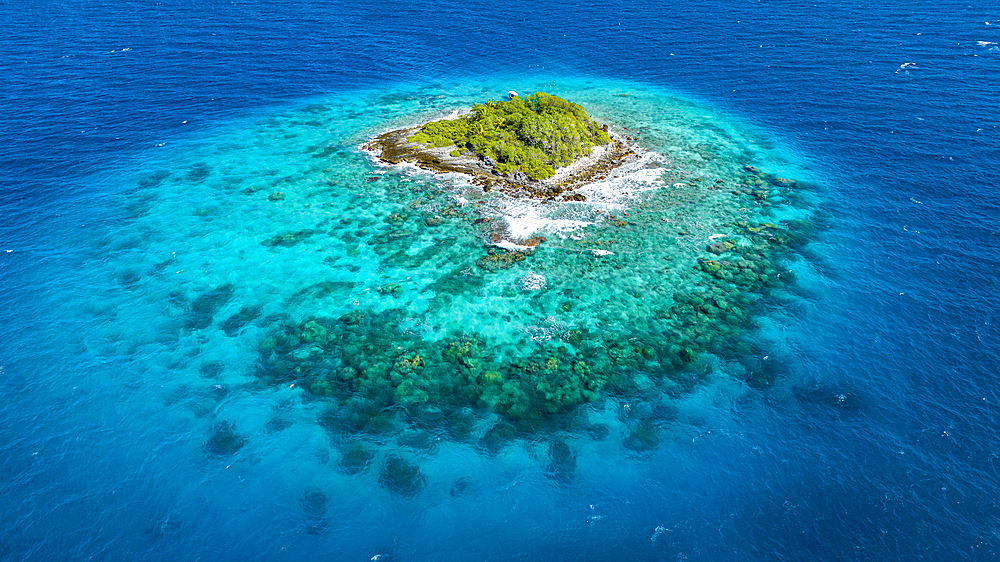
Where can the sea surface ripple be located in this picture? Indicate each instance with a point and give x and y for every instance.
(880, 443)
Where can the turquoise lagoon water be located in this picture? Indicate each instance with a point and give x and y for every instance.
(194, 366)
(223, 246)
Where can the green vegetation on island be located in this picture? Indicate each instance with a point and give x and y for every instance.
(533, 135)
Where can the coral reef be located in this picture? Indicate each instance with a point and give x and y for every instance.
(313, 503)
(225, 440)
(489, 344)
(203, 308)
(402, 477)
(384, 375)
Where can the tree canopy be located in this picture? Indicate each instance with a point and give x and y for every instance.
(534, 134)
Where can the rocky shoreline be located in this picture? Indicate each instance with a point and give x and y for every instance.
(393, 147)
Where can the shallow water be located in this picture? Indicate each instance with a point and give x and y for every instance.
(148, 266)
(281, 263)
(297, 313)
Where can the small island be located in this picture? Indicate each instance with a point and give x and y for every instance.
(539, 146)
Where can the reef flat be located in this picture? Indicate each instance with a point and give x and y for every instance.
(508, 341)
(661, 269)
(385, 306)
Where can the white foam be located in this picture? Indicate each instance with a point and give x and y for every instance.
(643, 174)
(523, 221)
(532, 282)
(527, 217)
(508, 245)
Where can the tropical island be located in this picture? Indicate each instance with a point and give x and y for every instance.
(462, 336)
(539, 145)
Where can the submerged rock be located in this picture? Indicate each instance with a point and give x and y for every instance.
(198, 172)
(225, 440)
(459, 487)
(238, 321)
(289, 239)
(313, 331)
(393, 289)
(129, 279)
(501, 259)
(203, 308)
(643, 439)
(313, 503)
(357, 458)
(562, 462)
(720, 247)
(402, 477)
(498, 437)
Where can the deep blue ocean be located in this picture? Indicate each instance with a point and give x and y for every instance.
(147, 149)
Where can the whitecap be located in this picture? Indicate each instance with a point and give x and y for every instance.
(530, 223)
(508, 245)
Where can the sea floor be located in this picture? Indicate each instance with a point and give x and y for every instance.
(341, 333)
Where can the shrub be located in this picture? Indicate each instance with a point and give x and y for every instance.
(535, 134)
